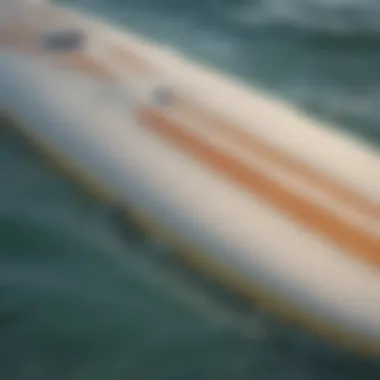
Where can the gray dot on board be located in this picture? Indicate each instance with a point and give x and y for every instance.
(64, 40)
(163, 96)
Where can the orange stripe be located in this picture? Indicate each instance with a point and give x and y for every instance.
(301, 210)
(281, 158)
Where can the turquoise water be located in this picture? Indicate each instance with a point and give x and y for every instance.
(86, 295)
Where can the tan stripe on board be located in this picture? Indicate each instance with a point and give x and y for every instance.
(314, 217)
(83, 62)
(133, 61)
(281, 158)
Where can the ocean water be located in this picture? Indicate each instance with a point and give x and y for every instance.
(86, 295)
